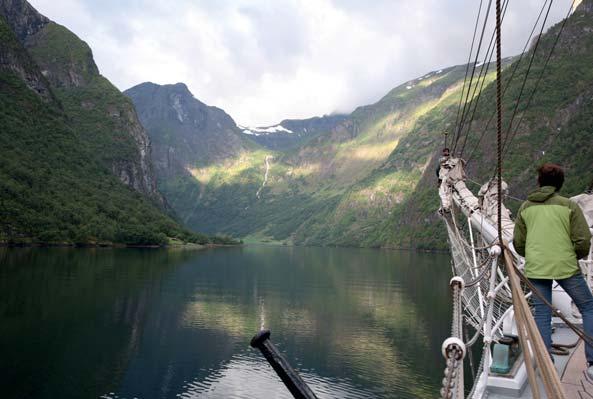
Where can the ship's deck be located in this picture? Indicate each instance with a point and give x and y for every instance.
(571, 368)
(574, 377)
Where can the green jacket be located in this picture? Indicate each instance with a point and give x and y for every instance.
(551, 233)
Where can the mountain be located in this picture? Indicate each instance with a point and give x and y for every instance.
(367, 178)
(67, 64)
(201, 132)
(105, 118)
(75, 165)
(555, 127)
(185, 134)
(318, 188)
(291, 133)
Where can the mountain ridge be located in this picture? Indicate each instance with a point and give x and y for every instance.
(231, 195)
(59, 117)
(66, 63)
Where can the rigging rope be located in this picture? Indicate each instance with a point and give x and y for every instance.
(507, 85)
(541, 75)
(507, 141)
(485, 67)
(529, 335)
(499, 118)
(469, 58)
(473, 69)
(510, 127)
(453, 347)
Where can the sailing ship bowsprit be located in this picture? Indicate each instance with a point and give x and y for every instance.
(491, 294)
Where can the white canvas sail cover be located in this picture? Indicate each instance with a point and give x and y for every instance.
(585, 201)
(488, 197)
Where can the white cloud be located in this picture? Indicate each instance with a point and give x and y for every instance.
(263, 61)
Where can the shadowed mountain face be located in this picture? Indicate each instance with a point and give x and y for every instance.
(185, 134)
(184, 130)
(24, 20)
(75, 164)
(104, 118)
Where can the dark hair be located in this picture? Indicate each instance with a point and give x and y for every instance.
(446, 149)
(550, 174)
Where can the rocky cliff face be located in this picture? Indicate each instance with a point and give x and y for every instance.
(186, 134)
(14, 59)
(54, 185)
(184, 131)
(102, 115)
(24, 20)
(64, 59)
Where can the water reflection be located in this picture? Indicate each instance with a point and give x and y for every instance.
(159, 324)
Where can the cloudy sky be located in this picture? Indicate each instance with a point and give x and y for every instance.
(266, 60)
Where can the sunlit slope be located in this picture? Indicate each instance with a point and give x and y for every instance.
(335, 189)
(383, 186)
(557, 126)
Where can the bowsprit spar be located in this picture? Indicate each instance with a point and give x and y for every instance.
(490, 293)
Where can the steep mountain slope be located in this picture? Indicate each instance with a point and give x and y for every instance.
(105, 119)
(53, 186)
(207, 133)
(556, 125)
(373, 189)
(12, 56)
(312, 193)
(185, 134)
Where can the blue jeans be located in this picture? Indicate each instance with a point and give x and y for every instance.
(576, 287)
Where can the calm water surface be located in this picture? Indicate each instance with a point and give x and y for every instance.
(109, 323)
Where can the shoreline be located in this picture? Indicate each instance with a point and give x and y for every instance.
(193, 246)
(118, 246)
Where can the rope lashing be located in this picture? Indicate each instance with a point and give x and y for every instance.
(453, 348)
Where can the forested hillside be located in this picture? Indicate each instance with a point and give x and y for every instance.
(553, 122)
(75, 165)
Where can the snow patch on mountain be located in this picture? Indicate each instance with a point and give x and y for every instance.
(259, 131)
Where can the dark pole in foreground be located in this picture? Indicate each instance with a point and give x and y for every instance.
(287, 374)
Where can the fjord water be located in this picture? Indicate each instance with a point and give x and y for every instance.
(127, 323)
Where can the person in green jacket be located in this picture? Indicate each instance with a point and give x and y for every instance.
(552, 234)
